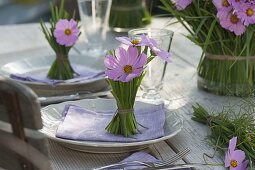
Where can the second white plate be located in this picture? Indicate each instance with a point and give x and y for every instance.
(41, 64)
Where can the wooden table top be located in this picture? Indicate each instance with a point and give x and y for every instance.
(21, 41)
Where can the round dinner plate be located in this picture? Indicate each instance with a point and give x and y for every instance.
(51, 116)
(42, 64)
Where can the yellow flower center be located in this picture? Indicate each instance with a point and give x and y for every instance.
(135, 41)
(233, 163)
(225, 3)
(234, 19)
(68, 32)
(128, 69)
(249, 12)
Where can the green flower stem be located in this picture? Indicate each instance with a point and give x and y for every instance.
(124, 93)
(61, 69)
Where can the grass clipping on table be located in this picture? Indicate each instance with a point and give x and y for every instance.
(228, 123)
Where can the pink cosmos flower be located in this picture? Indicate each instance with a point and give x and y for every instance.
(129, 41)
(223, 8)
(246, 12)
(245, 165)
(222, 4)
(126, 65)
(230, 21)
(66, 32)
(181, 4)
(152, 44)
(235, 158)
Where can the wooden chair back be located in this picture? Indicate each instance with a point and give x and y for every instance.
(22, 146)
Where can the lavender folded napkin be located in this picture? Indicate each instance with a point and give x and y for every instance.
(85, 74)
(82, 124)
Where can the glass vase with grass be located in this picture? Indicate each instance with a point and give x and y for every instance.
(224, 29)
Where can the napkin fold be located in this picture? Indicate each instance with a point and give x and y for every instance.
(139, 156)
(86, 125)
(85, 74)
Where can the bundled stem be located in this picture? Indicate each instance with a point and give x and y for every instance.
(229, 123)
(61, 68)
(124, 122)
(129, 14)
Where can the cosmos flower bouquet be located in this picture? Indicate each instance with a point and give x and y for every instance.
(224, 29)
(125, 71)
(62, 35)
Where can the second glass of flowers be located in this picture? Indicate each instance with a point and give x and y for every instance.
(156, 69)
(125, 70)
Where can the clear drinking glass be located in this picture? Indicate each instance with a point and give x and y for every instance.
(152, 83)
(94, 18)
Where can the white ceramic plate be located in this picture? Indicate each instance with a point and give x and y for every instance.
(44, 63)
(51, 116)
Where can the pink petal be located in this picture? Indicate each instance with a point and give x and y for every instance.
(76, 32)
(123, 78)
(164, 55)
(238, 155)
(62, 24)
(73, 23)
(110, 62)
(121, 55)
(113, 74)
(131, 76)
(227, 160)
(142, 59)
(239, 29)
(153, 42)
(124, 40)
(232, 145)
(138, 71)
(62, 40)
(148, 41)
(132, 55)
(58, 33)
(71, 40)
(245, 165)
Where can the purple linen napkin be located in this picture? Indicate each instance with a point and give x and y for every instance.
(82, 124)
(85, 74)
